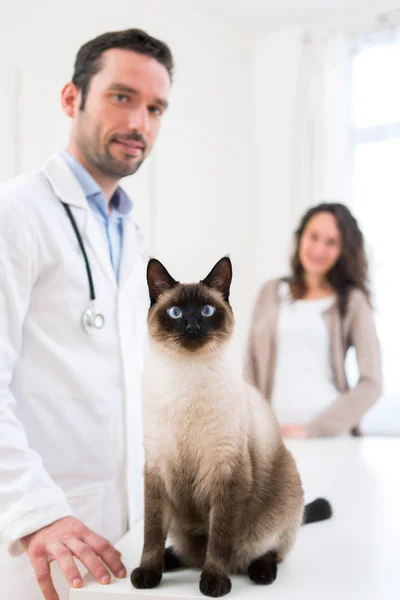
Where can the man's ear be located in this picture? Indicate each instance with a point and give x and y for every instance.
(70, 99)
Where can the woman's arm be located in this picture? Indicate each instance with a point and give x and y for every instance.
(250, 367)
(250, 357)
(348, 409)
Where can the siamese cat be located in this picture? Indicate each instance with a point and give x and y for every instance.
(219, 480)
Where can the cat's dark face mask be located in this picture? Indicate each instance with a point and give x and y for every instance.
(190, 317)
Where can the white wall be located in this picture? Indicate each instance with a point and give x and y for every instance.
(275, 81)
(194, 196)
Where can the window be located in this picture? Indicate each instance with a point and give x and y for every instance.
(376, 193)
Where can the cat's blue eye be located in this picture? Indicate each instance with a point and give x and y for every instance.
(175, 312)
(208, 310)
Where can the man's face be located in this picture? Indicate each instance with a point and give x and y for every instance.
(122, 114)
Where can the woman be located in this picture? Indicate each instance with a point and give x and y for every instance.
(302, 327)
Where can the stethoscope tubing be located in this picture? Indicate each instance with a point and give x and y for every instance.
(82, 247)
(91, 320)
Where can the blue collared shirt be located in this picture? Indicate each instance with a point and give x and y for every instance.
(111, 224)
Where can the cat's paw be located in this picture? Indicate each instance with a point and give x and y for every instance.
(143, 578)
(263, 570)
(171, 560)
(214, 585)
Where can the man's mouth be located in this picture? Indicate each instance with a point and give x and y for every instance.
(130, 147)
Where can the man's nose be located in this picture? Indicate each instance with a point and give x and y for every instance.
(139, 119)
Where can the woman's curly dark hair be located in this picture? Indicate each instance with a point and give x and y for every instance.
(350, 270)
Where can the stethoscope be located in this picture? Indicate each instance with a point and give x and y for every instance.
(92, 320)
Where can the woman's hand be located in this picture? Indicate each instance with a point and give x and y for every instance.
(294, 431)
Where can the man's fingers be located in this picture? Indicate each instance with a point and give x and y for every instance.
(106, 551)
(62, 541)
(64, 557)
(41, 566)
(90, 559)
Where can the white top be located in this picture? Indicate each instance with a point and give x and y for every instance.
(303, 383)
(353, 556)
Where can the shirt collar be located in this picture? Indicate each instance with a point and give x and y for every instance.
(120, 201)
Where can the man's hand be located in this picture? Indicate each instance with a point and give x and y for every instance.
(61, 541)
(294, 431)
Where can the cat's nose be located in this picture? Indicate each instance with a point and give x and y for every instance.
(192, 327)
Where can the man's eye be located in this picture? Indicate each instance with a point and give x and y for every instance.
(154, 110)
(121, 98)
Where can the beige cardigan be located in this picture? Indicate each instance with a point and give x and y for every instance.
(356, 329)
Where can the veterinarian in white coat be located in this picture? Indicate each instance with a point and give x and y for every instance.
(70, 438)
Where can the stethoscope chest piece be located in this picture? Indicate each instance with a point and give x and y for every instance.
(92, 321)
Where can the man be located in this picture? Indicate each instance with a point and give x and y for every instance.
(72, 327)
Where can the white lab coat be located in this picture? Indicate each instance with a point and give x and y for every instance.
(70, 424)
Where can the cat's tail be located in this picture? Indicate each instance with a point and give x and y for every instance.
(317, 510)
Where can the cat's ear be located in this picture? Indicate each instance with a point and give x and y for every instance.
(220, 277)
(158, 279)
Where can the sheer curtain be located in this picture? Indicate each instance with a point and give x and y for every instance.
(302, 133)
(321, 159)
(376, 198)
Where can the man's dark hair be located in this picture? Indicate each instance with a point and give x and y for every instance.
(88, 60)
